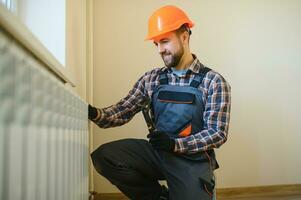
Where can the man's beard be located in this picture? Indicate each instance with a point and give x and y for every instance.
(172, 60)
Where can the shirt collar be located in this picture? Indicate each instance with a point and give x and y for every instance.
(196, 65)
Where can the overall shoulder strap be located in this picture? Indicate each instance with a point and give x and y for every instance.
(163, 79)
(198, 78)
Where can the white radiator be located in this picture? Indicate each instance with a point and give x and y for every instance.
(43, 131)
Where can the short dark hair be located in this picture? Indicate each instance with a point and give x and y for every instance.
(182, 29)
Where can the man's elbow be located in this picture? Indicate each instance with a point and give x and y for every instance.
(221, 139)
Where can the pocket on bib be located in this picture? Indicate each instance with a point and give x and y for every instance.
(176, 97)
(174, 112)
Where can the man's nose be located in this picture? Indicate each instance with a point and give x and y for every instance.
(161, 49)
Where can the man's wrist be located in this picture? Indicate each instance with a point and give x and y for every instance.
(98, 114)
(178, 148)
(94, 113)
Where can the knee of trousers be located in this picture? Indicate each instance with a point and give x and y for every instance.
(99, 159)
(106, 161)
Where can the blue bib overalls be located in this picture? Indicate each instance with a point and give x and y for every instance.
(178, 111)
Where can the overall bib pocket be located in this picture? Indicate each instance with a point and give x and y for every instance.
(175, 113)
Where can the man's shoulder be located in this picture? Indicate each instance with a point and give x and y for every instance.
(154, 72)
(213, 76)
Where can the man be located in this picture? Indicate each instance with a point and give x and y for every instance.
(190, 106)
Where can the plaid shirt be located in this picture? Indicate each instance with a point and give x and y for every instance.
(216, 99)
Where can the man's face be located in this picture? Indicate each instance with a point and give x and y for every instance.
(170, 47)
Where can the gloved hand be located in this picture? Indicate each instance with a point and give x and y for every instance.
(92, 112)
(161, 141)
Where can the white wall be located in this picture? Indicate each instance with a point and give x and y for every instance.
(47, 20)
(256, 46)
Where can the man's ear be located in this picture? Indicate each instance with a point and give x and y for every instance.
(185, 37)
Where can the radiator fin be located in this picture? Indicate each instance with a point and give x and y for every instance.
(43, 131)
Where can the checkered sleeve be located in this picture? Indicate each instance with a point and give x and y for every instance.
(125, 109)
(216, 119)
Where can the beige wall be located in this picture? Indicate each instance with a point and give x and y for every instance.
(76, 43)
(79, 53)
(256, 46)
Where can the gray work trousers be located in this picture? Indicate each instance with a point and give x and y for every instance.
(133, 166)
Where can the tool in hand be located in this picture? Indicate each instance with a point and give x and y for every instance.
(146, 109)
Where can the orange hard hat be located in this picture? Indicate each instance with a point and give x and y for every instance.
(166, 19)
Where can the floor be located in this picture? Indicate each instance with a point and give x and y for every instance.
(298, 197)
(293, 197)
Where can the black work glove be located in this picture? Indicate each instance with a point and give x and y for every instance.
(161, 141)
(92, 112)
